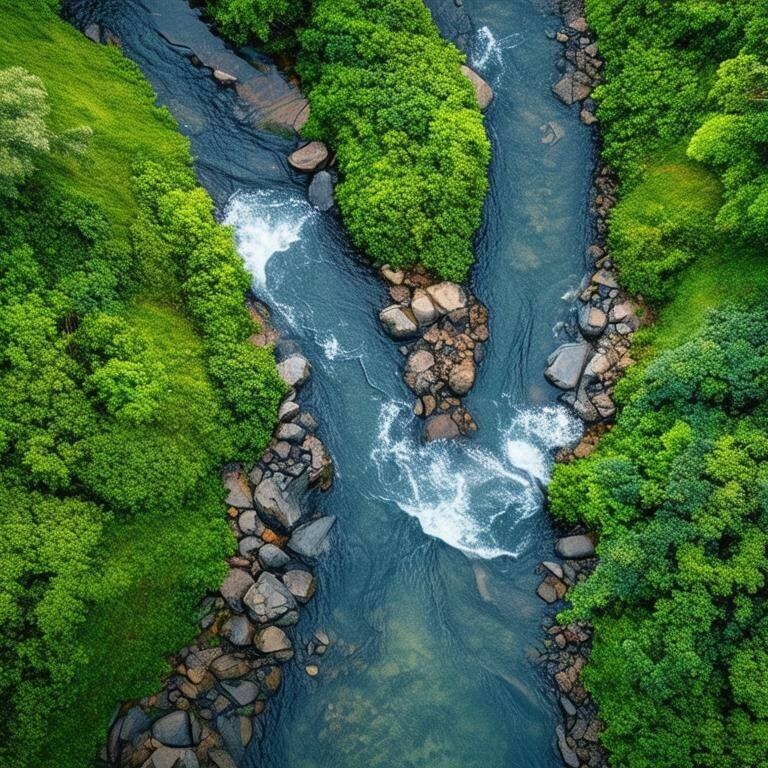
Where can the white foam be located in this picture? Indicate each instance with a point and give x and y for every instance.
(471, 497)
(486, 50)
(266, 222)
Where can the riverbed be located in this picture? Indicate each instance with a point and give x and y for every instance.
(428, 593)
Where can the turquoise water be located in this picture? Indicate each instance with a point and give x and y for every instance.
(428, 593)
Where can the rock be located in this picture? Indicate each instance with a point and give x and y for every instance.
(288, 410)
(419, 362)
(229, 667)
(310, 539)
(483, 91)
(166, 757)
(569, 90)
(268, 600)
(249, 523)
(248, 546)
(580, 24)
(277, 498)
(273, 640)
(553, 568)
(568, 706)
(235, 585)
(223, 78)
(561, 37)
(272, 557)
(570, 758)
(575, 547)
(399, 322)
(221, 759)
(422, 307)
(173, 729)
(321, 465)
(462, 377)
(238, 630)
(93, 33)
(592, 320)
(312, 670)
(441, 427)
(447, 296)
(587, 117)
(239, 491)
(605, 278)
(566, 363)
(242, 692)
(394, 277)
(546, 592)
(301, 584)
(309, 158)
(290, 432)
(321, 191)
(294, 370)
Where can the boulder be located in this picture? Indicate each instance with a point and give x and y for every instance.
(248, 546)
(566, 363)
(462, 377)
(242, 692)
(309, 158)
(311, 539)
(277, 498)
(605, 278)
(238, 630)
(321, 465)
(272, 557)
(273, 640)
(239, 491)
(268, 600)
(392, 276)
(447, 296)
(224, 78)
(167, 757)
(173, 729)
(301, 584)
(422, 307)
(321, 191)
(554, 568)
(93, 32)
(290, 432)
(399, 322)
(483, 91)
(580, 24)
(441, 427)
(569, 90)
(575, 547)
(592, 320)
(419, 362)
(570, 758)
(221, 759)
(288, 410)
(229, 667)
(249, 523)
(235, 585)
(294, 370)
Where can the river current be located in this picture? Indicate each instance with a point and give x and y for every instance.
(429, 591)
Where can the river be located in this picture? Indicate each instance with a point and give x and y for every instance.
(429, 591)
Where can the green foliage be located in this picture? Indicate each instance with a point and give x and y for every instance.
(126, 380)
(409, 138)
(678, 493)
(260, 20)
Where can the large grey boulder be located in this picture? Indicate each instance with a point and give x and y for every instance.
(239, 492)
(238, 630)
(570, 758)
(483, 91)
(272, 557)
(575, 547)
(301, 584)
(279, 498)
(294, 370)
(242, 692)
(311, 157)
(399, 322)
(173, 730)
(168, 757)
(321, 191)
(269, 600)
(221, 759)
(310, 540)
(566, 363)
(234, 587)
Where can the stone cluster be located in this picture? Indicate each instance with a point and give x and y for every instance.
(208, 710)
(566, 650)
(444, 328)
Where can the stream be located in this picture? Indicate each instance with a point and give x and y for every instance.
(429, 591)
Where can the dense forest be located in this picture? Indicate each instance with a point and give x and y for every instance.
(677, 490)
(409, 139)
(125, 384)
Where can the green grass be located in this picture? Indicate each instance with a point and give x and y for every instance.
(91, 85)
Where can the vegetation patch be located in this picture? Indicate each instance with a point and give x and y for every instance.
(126, 381)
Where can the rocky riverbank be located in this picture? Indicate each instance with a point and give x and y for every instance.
(209, 710)
(586, 369)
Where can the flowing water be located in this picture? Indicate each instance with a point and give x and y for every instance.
(428, 593)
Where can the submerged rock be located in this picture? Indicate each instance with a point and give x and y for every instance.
(310, 540)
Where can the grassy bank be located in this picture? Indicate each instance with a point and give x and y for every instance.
(677, 489)
(388, 96)
(125, 383)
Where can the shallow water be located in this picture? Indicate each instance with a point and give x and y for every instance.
(428, 593)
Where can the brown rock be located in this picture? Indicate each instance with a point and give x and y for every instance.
(483, 91)
(462, 377)
(309, 158)
(441, 427)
